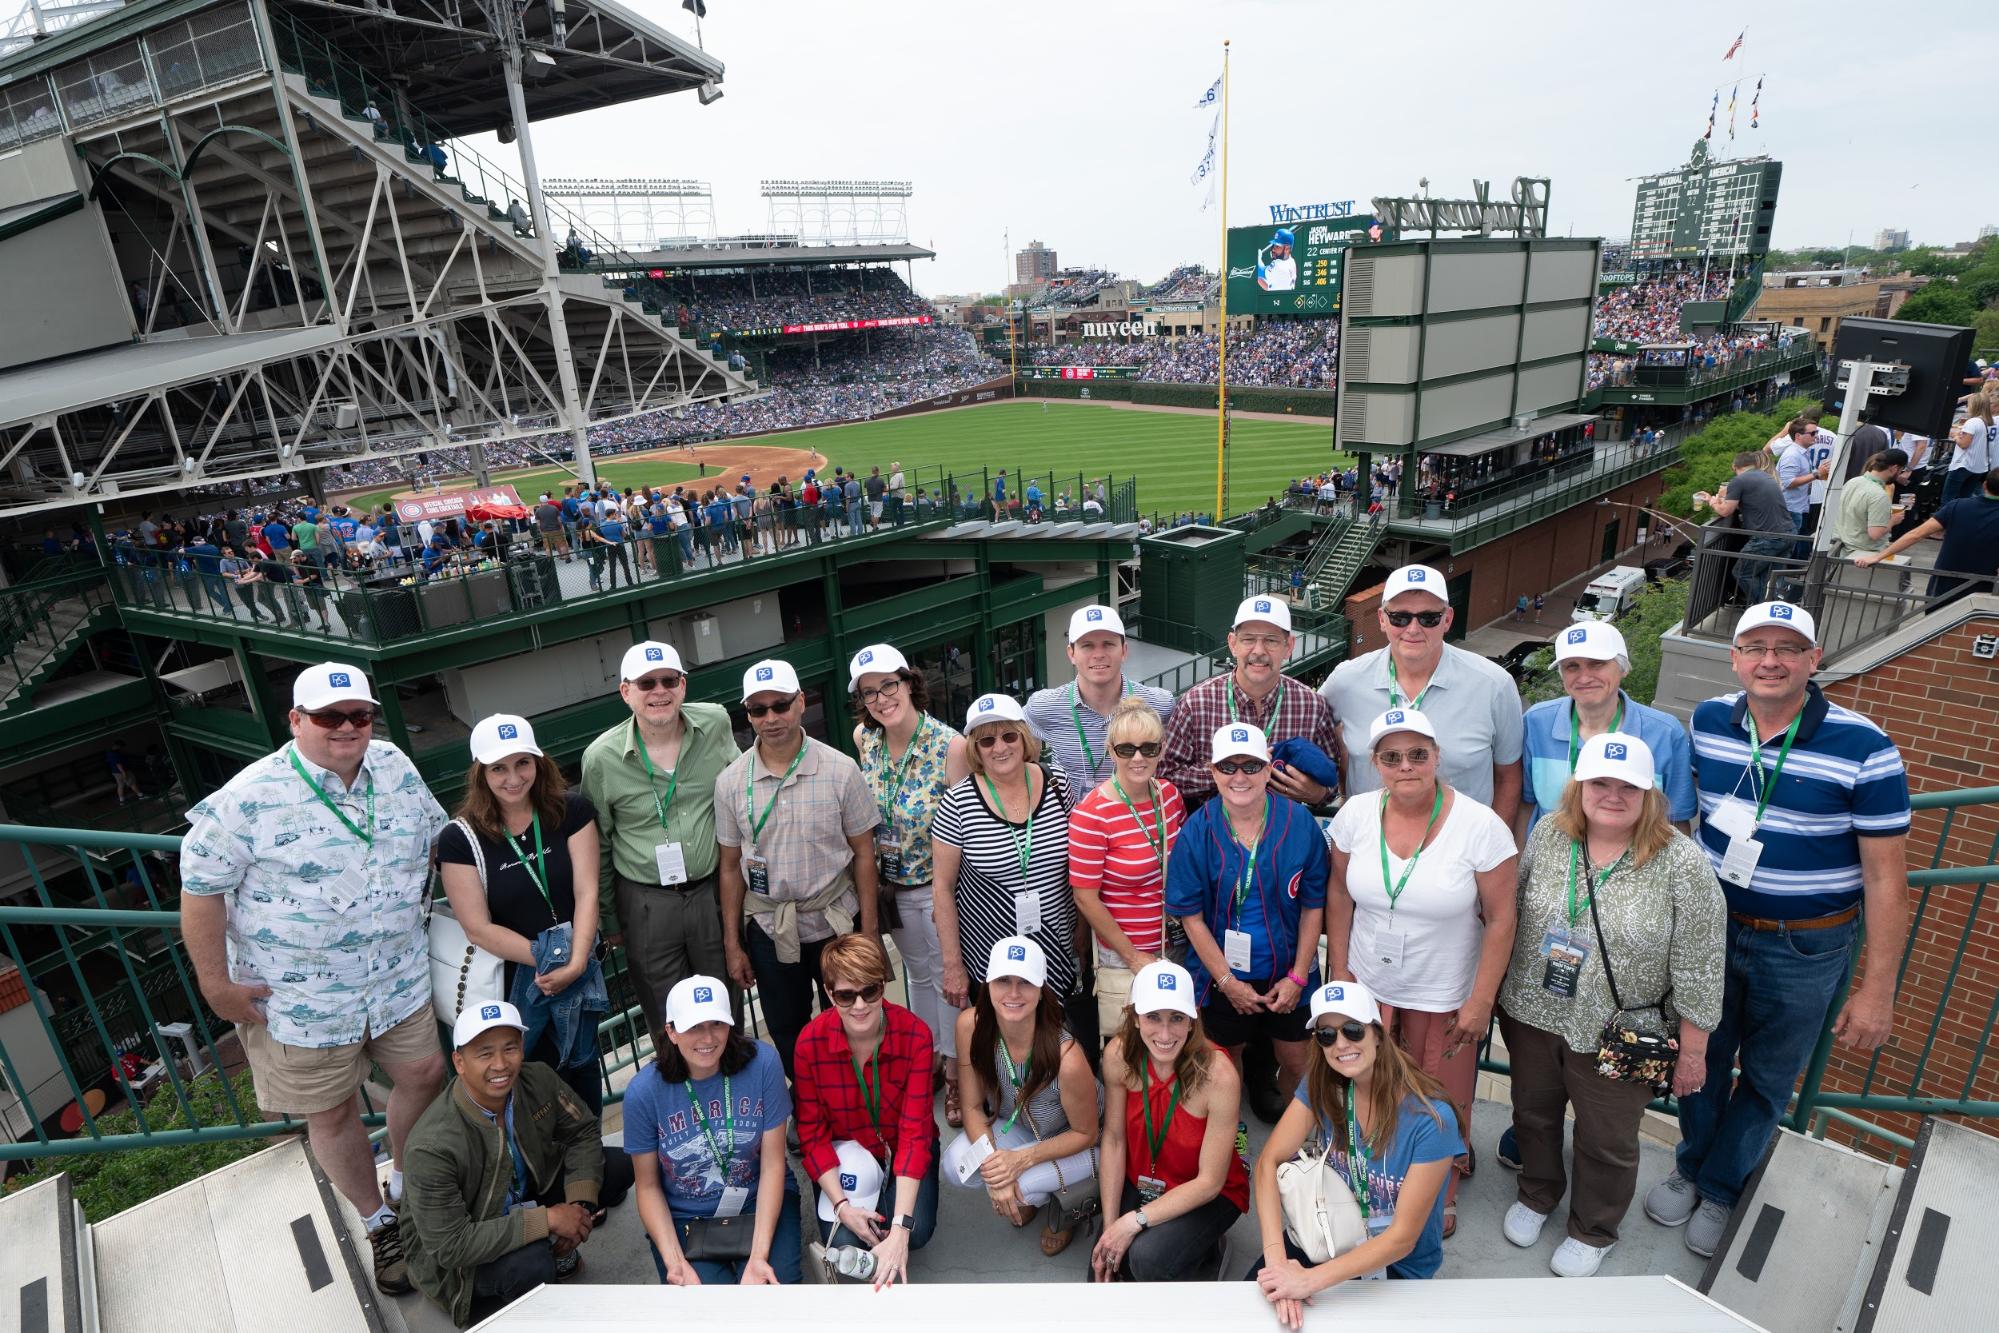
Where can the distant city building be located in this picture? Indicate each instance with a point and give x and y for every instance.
(1888, 238)
(1034, 265)
(1816, 300)
(1988, 231)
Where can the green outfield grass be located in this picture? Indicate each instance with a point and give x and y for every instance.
(1171, 453)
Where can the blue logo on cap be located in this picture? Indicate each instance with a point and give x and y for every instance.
(1335, 993)
(849, 1181)
(508, 731)
(1394, 715)
(867, 656)
(1615, 750)
(986, 705)
(655, 655)
(1167, 981)
(489, 1011)
(1262, 604)
(1777, 612)
(1417, 575)
(1093, 614)
(763, 673)
(704, 995)
(339, 680)
(1578, 635)
(1016, 953)
(1239, 733)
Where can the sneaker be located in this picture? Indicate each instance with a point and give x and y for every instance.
(568, 1266)
(392, 1271)
(1523, 1225)
(1509, 1150)
(1704, 1232)
(1572, 1258)
(1672, 1201)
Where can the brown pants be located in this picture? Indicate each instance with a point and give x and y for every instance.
(672, 934)
(1547, 1077)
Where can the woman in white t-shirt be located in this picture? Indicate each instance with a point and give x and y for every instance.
(1973, 437)
(1426, 917)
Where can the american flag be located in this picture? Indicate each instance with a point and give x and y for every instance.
(1735, 45)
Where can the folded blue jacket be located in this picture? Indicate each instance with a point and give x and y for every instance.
(568, 1011)
(1309, 759)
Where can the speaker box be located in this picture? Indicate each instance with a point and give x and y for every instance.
(1936, 355)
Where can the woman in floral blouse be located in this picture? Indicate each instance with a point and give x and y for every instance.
(909, 759)
(1609, 874)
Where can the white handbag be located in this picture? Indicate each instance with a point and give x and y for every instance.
(458, 967)
(1321, 1215)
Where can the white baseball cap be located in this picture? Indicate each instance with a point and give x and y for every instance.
(1268, 610)
(330, 683)
(770, 676)
(480, 1015)
(1094, 620)
(1593, 641)
(1414, 578)
(876, 657)
(651, 655)
(1350, 998)
(1163, 985)
(993, 708)
(1781, 614)
(1017, 956)
(860, 1180)
(1615, 755)
(1238, 740)
(696, 1000)
(500, 735)
(1399, 719)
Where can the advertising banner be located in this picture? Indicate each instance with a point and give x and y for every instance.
(846, 325)
(490, 502)
(1291, 268)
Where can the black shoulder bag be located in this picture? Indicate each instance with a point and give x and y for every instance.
(1625, 1051)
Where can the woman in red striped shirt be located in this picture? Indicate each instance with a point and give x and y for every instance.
(1120, 836)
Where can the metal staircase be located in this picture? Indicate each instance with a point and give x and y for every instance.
(42, 624)
(1339, 556)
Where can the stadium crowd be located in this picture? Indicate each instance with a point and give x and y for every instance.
(1649, 311)
(744, 301)
(1277, 353)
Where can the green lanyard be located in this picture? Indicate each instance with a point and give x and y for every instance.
(1359, 1155)
(1275, 704)
(367, 836)
(1076, 716)
(1576, 907)
(901, 769)
(661, 804)
(1156, 835)
(1395, 691)
(722, 1159)
(538, 872)
(1157, 1142)
(1247, 877)
(1764, 789)
(1015, 1077)
(1023, 848)
(1394, 890)
(1576, 729)
(871, 1094)
(750, 791)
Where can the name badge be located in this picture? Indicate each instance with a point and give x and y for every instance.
(1236, 947)
(1027, 912)
(756, 871)
(1377, 1224)
(1738, 863)
(888, 856)
(1733, 818)
(1149, 1189)
(733, 1199)
(1388, 946)
(1562, 957)
(672, 862)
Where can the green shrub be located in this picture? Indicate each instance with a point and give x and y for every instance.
(1707, 459)
(1657, 610)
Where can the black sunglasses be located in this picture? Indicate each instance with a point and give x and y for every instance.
(331, 718)
(845, 999)
(1126, 749)
(1427, 619)
(665, 680)
(1228, 768)
(758, 710)
(1351, 1030)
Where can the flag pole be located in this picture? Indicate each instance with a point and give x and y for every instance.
(1222, 343)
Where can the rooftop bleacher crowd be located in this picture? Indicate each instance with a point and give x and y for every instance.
(740, 301)
(1649, 311)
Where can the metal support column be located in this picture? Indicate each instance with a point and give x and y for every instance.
(307, 209)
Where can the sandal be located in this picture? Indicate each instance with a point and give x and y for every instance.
(1054, 1242)
(954, 1110)
(1450, 1219)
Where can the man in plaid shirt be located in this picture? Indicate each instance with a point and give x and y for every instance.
(1256, 692)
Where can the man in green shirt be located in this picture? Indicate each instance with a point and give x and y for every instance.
(1866, 510)
(652, 779)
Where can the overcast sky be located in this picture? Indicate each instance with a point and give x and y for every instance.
(1074, 122)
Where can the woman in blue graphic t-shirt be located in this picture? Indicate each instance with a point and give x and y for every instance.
(1393, 1140)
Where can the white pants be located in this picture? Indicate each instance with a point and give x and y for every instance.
(923, 970)
(1037, 1184)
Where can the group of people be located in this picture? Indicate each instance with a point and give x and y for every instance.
(1103, 900)
(1302, 353)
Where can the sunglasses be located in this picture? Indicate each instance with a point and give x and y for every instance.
(331, 718)
(1126, 749)
(847, 999)
(758, 710)
(1228, 768)
(665, 680)
(1351, 1030)
(992, 738)
(1394, 758)
(1427, 619)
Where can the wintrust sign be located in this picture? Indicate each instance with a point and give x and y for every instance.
(1282, 213)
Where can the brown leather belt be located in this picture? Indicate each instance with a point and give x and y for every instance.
(1807, 923)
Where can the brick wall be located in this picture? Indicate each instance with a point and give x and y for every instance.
(1936, 701)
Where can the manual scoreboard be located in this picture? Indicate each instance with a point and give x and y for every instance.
(1722, 209)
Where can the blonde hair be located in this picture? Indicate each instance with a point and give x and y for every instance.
(1648, 838)
(975, 757)
(1134, 721)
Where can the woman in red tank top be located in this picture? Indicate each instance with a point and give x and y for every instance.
(1173, 1182)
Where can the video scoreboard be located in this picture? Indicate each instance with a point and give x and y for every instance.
(1291, 268)
(1723, 209)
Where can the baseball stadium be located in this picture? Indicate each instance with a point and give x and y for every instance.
(319, 387)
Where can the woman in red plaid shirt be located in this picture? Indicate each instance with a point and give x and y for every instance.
(862, 1074)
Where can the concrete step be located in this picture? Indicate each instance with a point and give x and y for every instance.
(1933, 1271)
(44, 1286)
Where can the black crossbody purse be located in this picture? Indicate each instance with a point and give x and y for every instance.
(1625, 1051)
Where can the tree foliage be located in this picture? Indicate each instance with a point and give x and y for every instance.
(1657, 610)
(1707, 459)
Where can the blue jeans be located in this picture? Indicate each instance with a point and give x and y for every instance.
(1780, 988)
(1750, 573)
(784, 1253)
(1957, 482)
(925, 1212)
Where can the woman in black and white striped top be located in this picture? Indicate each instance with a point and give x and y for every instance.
(1000, 847)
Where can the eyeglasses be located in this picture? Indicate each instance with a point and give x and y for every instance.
(847, 999)
(1783, 652)
(1228, 768)
(888, 690)
(1253, 641)
(1352, 1031)
(1427, 619)
(1126, 749)
(1418, 754)
(330, 718)
(992, 738)
(665, 680)
(758, 710)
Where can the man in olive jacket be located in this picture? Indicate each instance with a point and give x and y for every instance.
(504, 1175)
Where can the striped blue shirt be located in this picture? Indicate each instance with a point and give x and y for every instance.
(1843, 781)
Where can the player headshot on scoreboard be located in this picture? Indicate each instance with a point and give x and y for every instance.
(1276, 270)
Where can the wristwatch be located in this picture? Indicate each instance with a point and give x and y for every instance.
(1138, 1215)
(907, 1221)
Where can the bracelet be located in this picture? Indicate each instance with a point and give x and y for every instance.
(1294, 978)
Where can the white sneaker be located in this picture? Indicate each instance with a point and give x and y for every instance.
(1574, 1259)
(1523, 1225)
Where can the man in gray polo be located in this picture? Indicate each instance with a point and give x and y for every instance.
(1072, 719)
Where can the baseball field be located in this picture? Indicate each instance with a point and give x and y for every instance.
(1171, 453)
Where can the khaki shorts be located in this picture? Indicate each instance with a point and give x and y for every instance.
(302, 1080)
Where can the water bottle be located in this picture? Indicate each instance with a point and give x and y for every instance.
(852, 1262)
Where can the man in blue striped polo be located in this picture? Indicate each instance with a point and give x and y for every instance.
(1804, 814)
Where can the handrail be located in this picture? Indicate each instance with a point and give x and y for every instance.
(27, 639)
